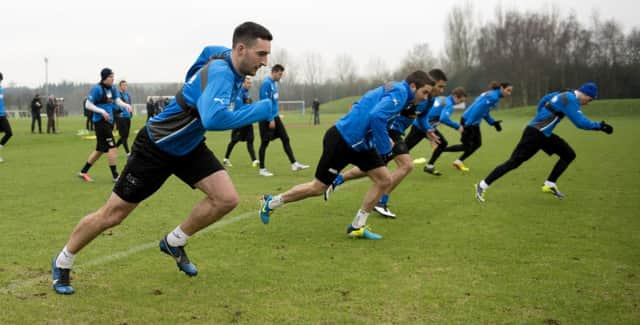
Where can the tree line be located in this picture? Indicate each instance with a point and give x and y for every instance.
(537, 51)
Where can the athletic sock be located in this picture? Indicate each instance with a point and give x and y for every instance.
(384, 199)
(276, 202)
(114, 171)
(458, 161)
(430, 166)
(484, 185)
(360, 220)
(86, 167)
(550, 184)
(177, 237)
(65, 259)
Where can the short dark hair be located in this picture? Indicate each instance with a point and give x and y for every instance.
(437, 75)
(420, 79)
(494, 85)
(277, 68)
(1, 76)
(248, 32)
(458, 92)
(122, 82)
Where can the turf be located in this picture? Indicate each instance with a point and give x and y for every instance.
(522, 257)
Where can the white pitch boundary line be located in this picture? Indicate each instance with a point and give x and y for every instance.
(20, 284)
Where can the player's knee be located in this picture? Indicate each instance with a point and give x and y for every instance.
(385, 181)
(569, 156)
(228, 201)
(109, 217)
(443, 144)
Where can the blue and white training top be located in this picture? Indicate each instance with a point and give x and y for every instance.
(178, 132)
(365, 126)
(404, 121)
(2, 112)
(555, 106)
(242, 99)
(480, 108)
(104, 97)
(441, 113)
(269, 90)
(126, 97)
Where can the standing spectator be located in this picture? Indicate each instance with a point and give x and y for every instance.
(150, 108)
(51, 114)
(88, 114)
(157, 107)
(316, 111)
(36, 106)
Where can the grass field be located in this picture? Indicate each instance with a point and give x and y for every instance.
(522, 257)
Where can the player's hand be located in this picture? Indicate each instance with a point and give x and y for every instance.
(461, 128)
(105, 116)
(606, 128)
(391, 142)
(497, 125)
(129, 109)
(272, 125)
(433, 137)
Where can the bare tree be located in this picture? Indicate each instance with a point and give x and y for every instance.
(419, 57)
(460, 44)
(377, 70)
(345, 68)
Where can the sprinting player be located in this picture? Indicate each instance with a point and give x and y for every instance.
(173, 143)
(360, 138)
(401, 147)
(538, 135)
(440, 113)
(273, 128)
(123, 121)
(103, 99)
(244, 133)
(471, 138)
(4, 122)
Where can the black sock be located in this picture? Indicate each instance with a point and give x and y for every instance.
(114, 172)
(86, 167)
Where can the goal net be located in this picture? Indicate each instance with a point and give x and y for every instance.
(291, 106)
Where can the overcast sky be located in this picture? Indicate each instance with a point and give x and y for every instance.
(156, 41)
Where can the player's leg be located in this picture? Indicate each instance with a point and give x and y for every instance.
(335, 156)
(250, 148)
(557, 145)
(6, 128)
(430, 167)
(281, 132)
(265, 137)
(404, 167)
(530, 142)
(91, 226)
(235, 138)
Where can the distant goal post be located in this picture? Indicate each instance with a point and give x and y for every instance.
(291, 106)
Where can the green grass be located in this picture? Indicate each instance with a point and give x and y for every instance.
(522, 257)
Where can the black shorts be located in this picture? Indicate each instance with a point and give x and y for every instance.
(123, 124)
(104, 136)
(244, 133)
(148, 167)
(533, 140)
(471, 136)
(267, 134)
(337, 154)
(399, 146)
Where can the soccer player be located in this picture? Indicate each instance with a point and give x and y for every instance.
(360, 138)
(103, 99)
(123, 120)
(538, 135)
(4, 122)
(471, 138)
(244, 133)
(401, 147)
(273, 128)
(173, 143)
(440, 113)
